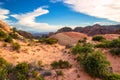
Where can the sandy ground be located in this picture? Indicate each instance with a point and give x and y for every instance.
(114, 61)
(47, 54)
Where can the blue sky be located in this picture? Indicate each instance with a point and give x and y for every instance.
(50, 15)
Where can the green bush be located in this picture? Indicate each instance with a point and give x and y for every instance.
(115, 51)
(48, 40)
(115, 43)
(112, 77)
(21, 76)
(14, 29)
(21, 71)
(96, 65)
(5, 68)
(22, 68)
(98, 38)
(109, 44)
(86, 48)
(35, 73)
(16, 46)
(8, 39)
(3, 74)
(2, 34)
(60, 64)
(101, 45)
(13, 35)
(40, 78)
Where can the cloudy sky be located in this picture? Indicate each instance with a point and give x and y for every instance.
(50, 15)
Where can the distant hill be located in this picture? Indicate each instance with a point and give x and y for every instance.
(118, 31)
(25, 34)
(69, 38)
(65, 29)
(93, 30)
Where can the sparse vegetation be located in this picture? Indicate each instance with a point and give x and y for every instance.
(48, 41)
(112, 77)
(22, 68)
(113, 45)
(14, 29)
(85, 48)
(115, 51)
(9, 39)
(5, 68)
(13, 35)
(60, 64)
(21, 71)
(16, 46)
(109, 44)
(98, 38)
(86, 54)
(2, 34)
(96, 65)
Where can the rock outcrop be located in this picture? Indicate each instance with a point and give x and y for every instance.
(4, 27)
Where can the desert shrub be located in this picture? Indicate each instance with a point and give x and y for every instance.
(86, 48)
(2, 34)
(9, 39)
(21, 71)
(115, 43)
(35, 73)
(59, 73)
(115, 51)
(3, 74)
(16, 46)
(5, 68)
(68, 46)
(13, 35)
(40, 78)
(21, 76)
(4, 63)
(101, 45)
(48, 40)
(22, 68)
(82, 40)
(14, 29)
(60, 64)
(112, 77)
(109, 44)
(98, 38)
(96, 65)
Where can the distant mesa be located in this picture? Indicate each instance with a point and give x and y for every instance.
(93, 30)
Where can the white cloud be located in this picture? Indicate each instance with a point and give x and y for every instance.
(4, 14)
(27, 21)
(109, 9)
